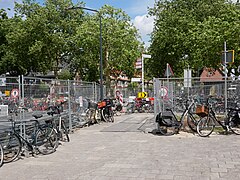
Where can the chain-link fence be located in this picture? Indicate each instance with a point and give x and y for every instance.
(37, 94)
(172, 92)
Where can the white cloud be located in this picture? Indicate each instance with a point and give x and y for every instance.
(140, 7)
(145, 25)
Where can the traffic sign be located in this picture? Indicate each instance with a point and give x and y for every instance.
(15, 93)
(142, 95)
(7, 93)
(229, 57)
(136, 79)
(164, 92)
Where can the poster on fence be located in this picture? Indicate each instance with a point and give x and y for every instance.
(3, 81)
(187, 78)
(3, 110)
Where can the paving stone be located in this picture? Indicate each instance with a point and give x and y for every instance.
(122, 151)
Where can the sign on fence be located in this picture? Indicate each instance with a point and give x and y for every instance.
(142, 94)
(3, 81)
(187, 78)
(3, 110)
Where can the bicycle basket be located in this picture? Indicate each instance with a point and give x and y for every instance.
(92, 105)
(202, 110)
(166, 118)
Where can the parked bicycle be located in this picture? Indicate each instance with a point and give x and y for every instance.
(169, 124)
(208, 122)
(105, 107)
(92, 114)
(42, 138)
(58, 123)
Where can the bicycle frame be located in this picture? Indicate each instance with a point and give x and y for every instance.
(184, 114)
(30, 144)
(213, 115)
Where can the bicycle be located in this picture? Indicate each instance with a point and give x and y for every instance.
(60, 127)
(92, 114)
(106, 110)
(169, 124)
(207, 123)
(42, 139)
(1, 155)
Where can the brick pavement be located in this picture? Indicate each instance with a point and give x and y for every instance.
(110, 152)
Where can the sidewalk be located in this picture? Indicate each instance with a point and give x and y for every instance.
(111, 152)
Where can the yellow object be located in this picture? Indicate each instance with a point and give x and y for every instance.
(7, 93)
(142, 95)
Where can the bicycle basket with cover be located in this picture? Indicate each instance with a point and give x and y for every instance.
(166, 118)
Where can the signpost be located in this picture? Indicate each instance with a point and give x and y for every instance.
(143, 57)
(225, 79)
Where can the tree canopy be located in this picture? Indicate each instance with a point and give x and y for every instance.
(42, 38)
(192, 33)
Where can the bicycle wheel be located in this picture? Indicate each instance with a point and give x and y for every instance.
(166, 130)
(12, 147)
(192, 123)
(46, 140)
(1, 155)
(107, 115)
(88, 117)
(205, 126)
(104, 114)
(234, 125)
(64, 132)
(97, 117)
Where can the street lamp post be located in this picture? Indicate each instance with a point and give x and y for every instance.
(100, 42)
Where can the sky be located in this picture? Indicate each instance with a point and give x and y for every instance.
(136, 9)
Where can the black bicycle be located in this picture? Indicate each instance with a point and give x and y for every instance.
(106, 109)
(41, 138)
(58, 123)
(207, 123)
(169, 124)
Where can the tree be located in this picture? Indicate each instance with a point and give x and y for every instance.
(42, 38)
(38, 36)
(120, 44)
(192, 33)
(3, 41)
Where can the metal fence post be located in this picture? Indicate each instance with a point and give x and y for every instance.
(69, 105)
(95, 91)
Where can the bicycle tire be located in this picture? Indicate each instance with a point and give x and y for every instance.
(111, 115)
(205, 126)
(97, 117)
(166, 130)
(107, 115)
(64, 133)
(12, 147)
(46, 140)
(88, 116)
(103, 114)
(192, 123)
(1, 155)
(234, 126)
